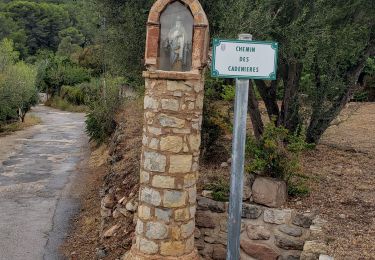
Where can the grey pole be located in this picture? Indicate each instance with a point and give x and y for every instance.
(238, 160)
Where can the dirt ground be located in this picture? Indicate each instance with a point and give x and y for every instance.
(342, 182)
(341, 174)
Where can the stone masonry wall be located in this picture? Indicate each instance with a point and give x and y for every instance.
(266, 233)
(169, 167)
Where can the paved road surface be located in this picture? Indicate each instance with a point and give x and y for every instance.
(37, 168)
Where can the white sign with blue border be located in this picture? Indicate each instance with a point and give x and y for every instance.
(244, 59)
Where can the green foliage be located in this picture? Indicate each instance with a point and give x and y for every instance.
(220, 190)
(73, 95)
(17, 85)
(276, 154)
(229, 92)
(103, 103)
(58, 71)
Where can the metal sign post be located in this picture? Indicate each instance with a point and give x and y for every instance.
(241, 59)
(238, 160)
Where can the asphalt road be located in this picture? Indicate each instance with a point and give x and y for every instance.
(37, 170)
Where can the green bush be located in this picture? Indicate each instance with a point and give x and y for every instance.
(103, 103)
(74, 95)
(277, 155)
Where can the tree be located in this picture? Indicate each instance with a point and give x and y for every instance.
(17, 84)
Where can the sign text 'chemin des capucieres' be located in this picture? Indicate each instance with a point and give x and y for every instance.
(244, 59)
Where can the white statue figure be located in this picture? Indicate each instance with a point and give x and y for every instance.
(177, 46)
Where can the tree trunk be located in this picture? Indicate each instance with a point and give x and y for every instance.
(321, 120)
(290, 117)
(255, 114)
(268, 95)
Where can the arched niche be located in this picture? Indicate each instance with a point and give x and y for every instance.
(158, 27)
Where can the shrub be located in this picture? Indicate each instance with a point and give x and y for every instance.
(103, 103)
(277, 155)
(74, 95)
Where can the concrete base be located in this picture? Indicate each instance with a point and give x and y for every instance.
(136, 255)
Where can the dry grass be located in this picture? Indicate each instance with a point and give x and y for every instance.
(30, 120)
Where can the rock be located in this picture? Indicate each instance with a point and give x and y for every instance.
(288, 243)
(224, 165)
(209, 204)
(204, 219)
(292, 255)
(105, 213)
(308, 256)
(108, 201)
(325, 257)
(250, 211)
(342, 216)
(124, 212)
(111, 232)
(257, 232)
(100, 253)
(303, 219)
(247, 184)
(269, 192)
(199, 244)
(278, 216)
(116, 214)
(291, 230)
(315, 247)
(122, 200)
(207, 193)
(156, 230)
(219, 252)
(197, 233)
(131, 206)
(259, 251)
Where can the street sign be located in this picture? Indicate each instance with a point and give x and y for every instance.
(244, 59)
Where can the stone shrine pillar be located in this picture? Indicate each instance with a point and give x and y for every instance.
(176, 53)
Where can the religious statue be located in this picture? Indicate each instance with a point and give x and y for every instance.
(177, 46)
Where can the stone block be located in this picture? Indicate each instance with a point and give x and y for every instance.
(150, 103)
(192, 194)
(315, 247)
(171, 144)
(145, 177)
(154, 161)
(180, 163)
(257, 232)
(190, 180)
(178, 86)
(204, 219)
(304, 219)
(259, 251)
(291, 230)
(170, 121)
(148, 247)
(162, 181)
(163, 214)
(219, 252)
(269, 192)
(150, 196)
(250, 211)
(172, 248)
(194, 142)
(209, 204)
(278, 216)
(139, 227)
(288, 242)
(144, 212)
(181, 214)
(170, 104)
(187, 229)
(156, 230)
(174, 199)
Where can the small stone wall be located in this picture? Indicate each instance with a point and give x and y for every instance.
(266, 233)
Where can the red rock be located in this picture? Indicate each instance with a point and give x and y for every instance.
(259, 251)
